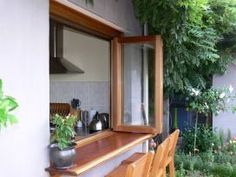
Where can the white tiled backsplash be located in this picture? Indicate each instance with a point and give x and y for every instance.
(93, 95)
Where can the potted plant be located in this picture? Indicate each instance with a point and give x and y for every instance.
(62, 148)
(7, 105)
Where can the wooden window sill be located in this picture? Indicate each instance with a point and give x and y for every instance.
(100, 148)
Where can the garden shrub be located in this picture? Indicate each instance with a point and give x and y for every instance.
(206, 139)
(204, 164)
(223, 170)
(217, 161)
(223, 157)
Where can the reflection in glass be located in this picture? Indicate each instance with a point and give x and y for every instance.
(138, 84)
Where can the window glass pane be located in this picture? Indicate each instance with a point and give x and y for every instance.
(138, 84)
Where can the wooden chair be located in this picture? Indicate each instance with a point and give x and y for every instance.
(158, 168)
(59, 108)
(138, 165)
(149, 165)
(171, 154)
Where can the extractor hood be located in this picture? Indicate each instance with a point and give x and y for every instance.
(59, 64)
(62, 65)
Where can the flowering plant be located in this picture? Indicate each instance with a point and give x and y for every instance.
(209, 101)
(231, 146)
(206, 102)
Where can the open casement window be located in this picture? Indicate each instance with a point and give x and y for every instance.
(136, 69)
(137, 90)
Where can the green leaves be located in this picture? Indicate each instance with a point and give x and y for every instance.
(64, 130)
(192, 31)
(208, 101)
(1, 92)
(7, 105)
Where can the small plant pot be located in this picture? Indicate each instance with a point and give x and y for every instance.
(62, 159)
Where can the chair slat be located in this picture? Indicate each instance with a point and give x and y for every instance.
(158, 168)
(138, 165)
(171, 155)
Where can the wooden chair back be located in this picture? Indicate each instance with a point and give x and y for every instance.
(138, 165)
(171, 154)
(149, 165)
(158, 168)
(173, 142)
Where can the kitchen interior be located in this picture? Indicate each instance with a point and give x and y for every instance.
(80, 78)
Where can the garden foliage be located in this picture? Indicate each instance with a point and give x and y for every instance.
(206, 139)
(195, 34)
(210, 101)
(216, 156)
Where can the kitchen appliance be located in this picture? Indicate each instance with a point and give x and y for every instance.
(85, 118)
(96, 124)
(92, 113)
(58, 64)
(104, 117)
(99, 122)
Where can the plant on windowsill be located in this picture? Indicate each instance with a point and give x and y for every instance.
(7, 105)
(62, 148)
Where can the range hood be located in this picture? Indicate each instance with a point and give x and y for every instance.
(58, 64)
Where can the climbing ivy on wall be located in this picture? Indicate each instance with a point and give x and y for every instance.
(198, 36)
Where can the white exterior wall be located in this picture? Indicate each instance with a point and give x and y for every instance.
(24, 69)
(226, 120)
(24, 29)
(119, 12)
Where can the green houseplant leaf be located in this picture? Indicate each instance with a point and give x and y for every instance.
(7, 105)
(64, 130)
(1, 92)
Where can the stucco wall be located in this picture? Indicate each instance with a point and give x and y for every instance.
(25, 72)
(24, 69)
(226, 120)
(119, 12)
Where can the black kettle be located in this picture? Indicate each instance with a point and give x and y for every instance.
(104, 117)
(96, 124)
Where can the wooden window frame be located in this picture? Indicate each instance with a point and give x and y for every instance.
(117, 95)
(67, 15)
(63, 12)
